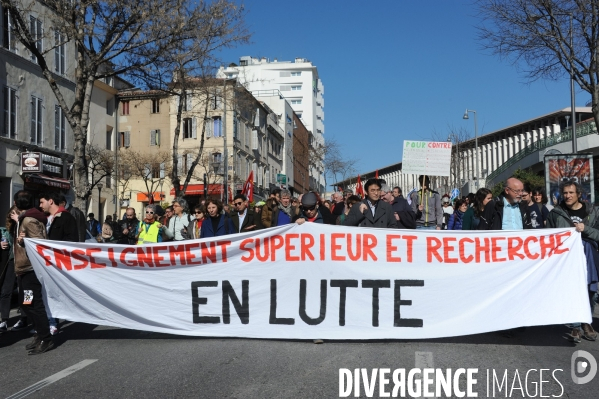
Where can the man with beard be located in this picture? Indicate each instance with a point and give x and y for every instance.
(128, 228)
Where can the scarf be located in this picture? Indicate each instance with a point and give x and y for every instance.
(286, 209)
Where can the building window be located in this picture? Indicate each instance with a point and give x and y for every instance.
(235, 127)
(35, 28)
(187, 128)
(296, 88)
(36, 121)
(109, 140)
(8, 39)
(125, 107)
(296, 73)
(108, 180)
(110, 106)
(155, 106)
(297, 101)
(10, 113)
(186, 98)
(299, 115)
(60, 124)
(155, 137)
(59, 53)
(218, 127)
(217, 157)
(124, 139)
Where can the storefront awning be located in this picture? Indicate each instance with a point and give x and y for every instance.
(144, 197)
(198, 189)
(44, 180)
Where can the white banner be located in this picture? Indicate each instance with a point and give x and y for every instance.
(430, 158)
(319, 281)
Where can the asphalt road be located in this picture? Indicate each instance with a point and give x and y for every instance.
(119, 363)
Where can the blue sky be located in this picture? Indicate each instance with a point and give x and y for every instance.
(397, 70)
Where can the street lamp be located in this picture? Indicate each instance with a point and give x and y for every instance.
(100, 187)
(535, 18)
(475, 141)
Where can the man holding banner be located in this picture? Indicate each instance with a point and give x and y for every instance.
(571, 212)
(371, 212)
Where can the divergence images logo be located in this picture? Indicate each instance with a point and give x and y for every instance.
(578, 366)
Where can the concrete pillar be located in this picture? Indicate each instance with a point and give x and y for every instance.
(510, 149)
(504, 143)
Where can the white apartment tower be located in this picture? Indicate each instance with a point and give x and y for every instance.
(299, 83)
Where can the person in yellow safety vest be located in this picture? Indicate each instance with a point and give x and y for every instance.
(150, 228)
(426, 204)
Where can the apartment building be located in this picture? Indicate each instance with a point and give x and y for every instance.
(299, 83)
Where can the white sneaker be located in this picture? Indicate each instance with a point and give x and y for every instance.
(3, 327)
(53, 330)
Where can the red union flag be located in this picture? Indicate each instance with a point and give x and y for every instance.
(248, 187)
(359, 188)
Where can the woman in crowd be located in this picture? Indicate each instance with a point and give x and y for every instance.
(195, 227)
(7, 272)
(455, 220)
(539, 197)
(177, 225)
(536, 217)
(447, 210)
(216, 224)
(150, 229)
(471, 218)
(352, 199)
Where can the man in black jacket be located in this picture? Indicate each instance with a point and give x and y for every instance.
(372, 212)
(507, 212)
(128, 228)
(62, 226)
(243, 218)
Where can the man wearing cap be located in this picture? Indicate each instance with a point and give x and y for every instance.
(372, 212)
(309, 211)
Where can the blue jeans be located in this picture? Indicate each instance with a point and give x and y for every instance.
(418, 227)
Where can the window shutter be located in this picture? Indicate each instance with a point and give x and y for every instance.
(260, 175)
(179, 164)
(56, 127)
(194, 128)
(257, 118)
(208, 123)
(177, 102)
(267, 177)
(188, 161)
(255, 170)
(152, 137)
(127, 139)
(162, 169)
(188, 99)
(157, 136)
(254, 139)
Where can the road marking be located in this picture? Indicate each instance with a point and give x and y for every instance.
(52, 379)
(424, 360)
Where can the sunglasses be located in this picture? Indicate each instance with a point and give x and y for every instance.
(151, 213)
(237, 203)
(305, 208)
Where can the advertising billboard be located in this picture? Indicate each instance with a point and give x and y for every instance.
(565, 167)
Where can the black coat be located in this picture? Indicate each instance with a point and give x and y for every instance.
(64, 228)
(249, 220)
(383, 216)
(407, 217)
(492, 216)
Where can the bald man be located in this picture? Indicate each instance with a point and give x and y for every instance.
(508, 211)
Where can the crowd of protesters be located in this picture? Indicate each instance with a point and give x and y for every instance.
(518, 207)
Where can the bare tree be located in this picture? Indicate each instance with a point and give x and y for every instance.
(150, 168)
(536, 33)
(114, 37)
